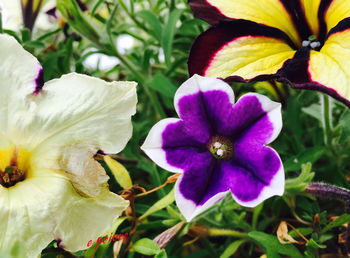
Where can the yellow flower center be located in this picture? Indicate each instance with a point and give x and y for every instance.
(14, 166)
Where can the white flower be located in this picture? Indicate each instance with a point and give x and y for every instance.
(50, 185)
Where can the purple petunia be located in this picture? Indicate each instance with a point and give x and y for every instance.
(218, 146)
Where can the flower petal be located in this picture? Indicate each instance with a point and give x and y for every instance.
(250, 187)
(305, 71)
(78, 109)
(257, 118)
(272, 13)
(335, 11)
(170, 147)
(191, 186)
(47, 207)
(192, 105)
(21, 75)
(239, 48)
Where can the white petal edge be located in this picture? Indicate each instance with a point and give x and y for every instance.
(199, 83)
(188, 208)
(273, 110)
(153, 145)
(276, 187)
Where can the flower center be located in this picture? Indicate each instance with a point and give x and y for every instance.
(311, 43)
(14, 166)
(221, 147)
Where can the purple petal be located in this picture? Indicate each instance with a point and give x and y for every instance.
(181, 150)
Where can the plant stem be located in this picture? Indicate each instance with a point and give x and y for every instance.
(226, 232)
(327, 118)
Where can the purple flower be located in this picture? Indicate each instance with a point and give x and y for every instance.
(218, 146)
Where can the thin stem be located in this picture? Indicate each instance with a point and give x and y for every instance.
(171, 179)
(226, 232)
(327, 118)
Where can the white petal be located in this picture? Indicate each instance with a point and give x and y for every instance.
(11, 14)
(19, 72)
(153, 145)
(78, 109)
(47, 207)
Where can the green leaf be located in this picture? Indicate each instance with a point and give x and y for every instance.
(273, 246)
(169, 33)
(232, 248)
(312, 243)
(161, 254)
(163, 85)
(155, 27)
(343, 219)
(309, 155)
(146, 246)
(161, 204)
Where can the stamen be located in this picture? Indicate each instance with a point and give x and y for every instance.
(315, 44)
(220, 152)
(217, 145)
(305, 43)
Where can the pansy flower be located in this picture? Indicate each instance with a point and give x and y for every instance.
(305, 43)
(219, 146)
(51, 187)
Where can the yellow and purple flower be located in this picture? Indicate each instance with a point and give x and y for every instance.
(51, 187)
(305, 43)
(219, 146)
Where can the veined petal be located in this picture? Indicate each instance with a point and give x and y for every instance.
(272, 13)
(239, 48)
(47, 207)
(311, 10)
(77, 109)
(21, 75)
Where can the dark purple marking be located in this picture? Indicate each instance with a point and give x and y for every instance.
(39, 82)
(205, 11)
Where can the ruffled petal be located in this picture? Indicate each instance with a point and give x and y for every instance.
(273, 13)
(239, 48)
(77, 109)
(47, 207)
(170, 147)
